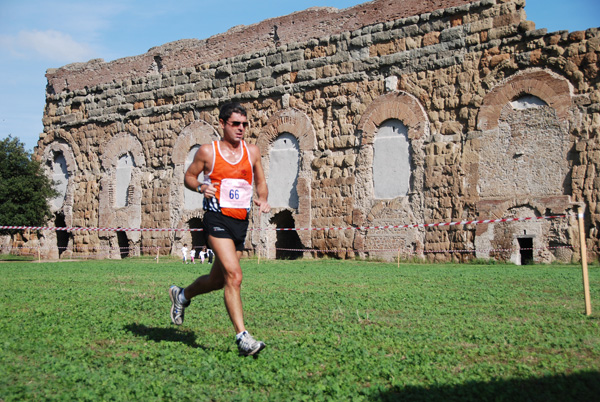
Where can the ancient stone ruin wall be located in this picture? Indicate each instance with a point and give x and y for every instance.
(488, 117)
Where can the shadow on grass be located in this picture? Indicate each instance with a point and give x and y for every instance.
(582, 386)
(158, 334)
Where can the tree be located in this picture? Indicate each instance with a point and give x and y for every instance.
(24, 188)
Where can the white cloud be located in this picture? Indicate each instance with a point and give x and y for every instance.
(47, 45)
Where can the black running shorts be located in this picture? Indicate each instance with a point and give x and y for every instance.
(224, 227)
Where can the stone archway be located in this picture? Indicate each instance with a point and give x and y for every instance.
(196, 134)
(62, 207)
(296, 123)
(553, 89)
(111, 215)
(522, 165)
(371, 211)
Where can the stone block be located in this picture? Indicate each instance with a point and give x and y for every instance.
(292, 56)
(307, 75)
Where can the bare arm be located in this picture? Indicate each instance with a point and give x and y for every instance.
(260, 182)
(202, 163)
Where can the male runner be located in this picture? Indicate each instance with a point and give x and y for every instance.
(230, 168)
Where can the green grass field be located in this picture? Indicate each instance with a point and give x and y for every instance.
(335, 330)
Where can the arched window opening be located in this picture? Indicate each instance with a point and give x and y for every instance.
(288, 245)
(284, 166)
(198, 236)
(391, 160)
(192, 199)
(62, 236)
(60, 176)
(124, 169)
(123, 244)
(527, 102)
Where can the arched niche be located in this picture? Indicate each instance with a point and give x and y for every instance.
(391, 160)
(294, 123)
(284, 158)
(124, 170)
(553, 89)
(402, 112)
(60, 165)
(523, 167)
(185, 204)
(192, 200)
(122, 148)
(524, 143)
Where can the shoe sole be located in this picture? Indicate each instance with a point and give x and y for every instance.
(173, 306)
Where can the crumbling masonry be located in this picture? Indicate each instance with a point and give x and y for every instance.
(386, 113)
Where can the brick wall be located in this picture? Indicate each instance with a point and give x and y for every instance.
(446, 69)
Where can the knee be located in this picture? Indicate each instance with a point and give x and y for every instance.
(234, 279)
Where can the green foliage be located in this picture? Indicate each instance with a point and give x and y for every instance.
(12, 257)
(335, 330)
(24, 188)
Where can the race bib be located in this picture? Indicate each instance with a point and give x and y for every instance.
(235, 193)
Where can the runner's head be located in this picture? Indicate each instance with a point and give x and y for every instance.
(228, 109)
(234, 122)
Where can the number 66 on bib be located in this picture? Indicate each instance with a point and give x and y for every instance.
(235, 193)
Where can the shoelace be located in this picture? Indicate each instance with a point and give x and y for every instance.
(247, 341)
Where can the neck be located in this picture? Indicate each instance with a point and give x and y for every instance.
(233, 145)
(231, 151)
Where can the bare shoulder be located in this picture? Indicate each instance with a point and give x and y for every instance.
(254, 152)
(205, 152)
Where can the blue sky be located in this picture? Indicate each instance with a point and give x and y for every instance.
(36, 35)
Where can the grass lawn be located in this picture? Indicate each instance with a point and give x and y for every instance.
(335, 330)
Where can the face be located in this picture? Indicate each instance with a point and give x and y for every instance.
(234, 128)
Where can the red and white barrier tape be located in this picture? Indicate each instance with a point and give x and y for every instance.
(428, 225)
(416, 225)
(89, 251)
(395, 250)
(75, 229)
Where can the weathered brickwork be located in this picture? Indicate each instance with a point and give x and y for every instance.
(456, 73)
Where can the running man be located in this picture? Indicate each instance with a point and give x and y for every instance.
(231, 167)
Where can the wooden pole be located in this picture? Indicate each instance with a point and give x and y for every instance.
(398, 257)
(584, 267)
(259, 234)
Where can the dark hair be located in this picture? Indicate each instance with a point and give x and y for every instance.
(228, 109)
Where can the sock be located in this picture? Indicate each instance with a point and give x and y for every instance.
(182, 298)
(240, 335)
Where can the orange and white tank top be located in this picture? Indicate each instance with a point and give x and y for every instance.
(233, 181)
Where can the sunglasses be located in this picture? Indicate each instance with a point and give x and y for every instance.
(238, 123)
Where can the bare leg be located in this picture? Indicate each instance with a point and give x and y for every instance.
(214, 280)
(225, 273)
(229, 259)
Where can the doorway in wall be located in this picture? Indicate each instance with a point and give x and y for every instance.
(123, 244)
(198, 236)
(288, 245)
(62, 236)
(526, 250)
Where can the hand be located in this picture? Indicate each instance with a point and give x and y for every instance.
(263, 206)
(210, 191)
